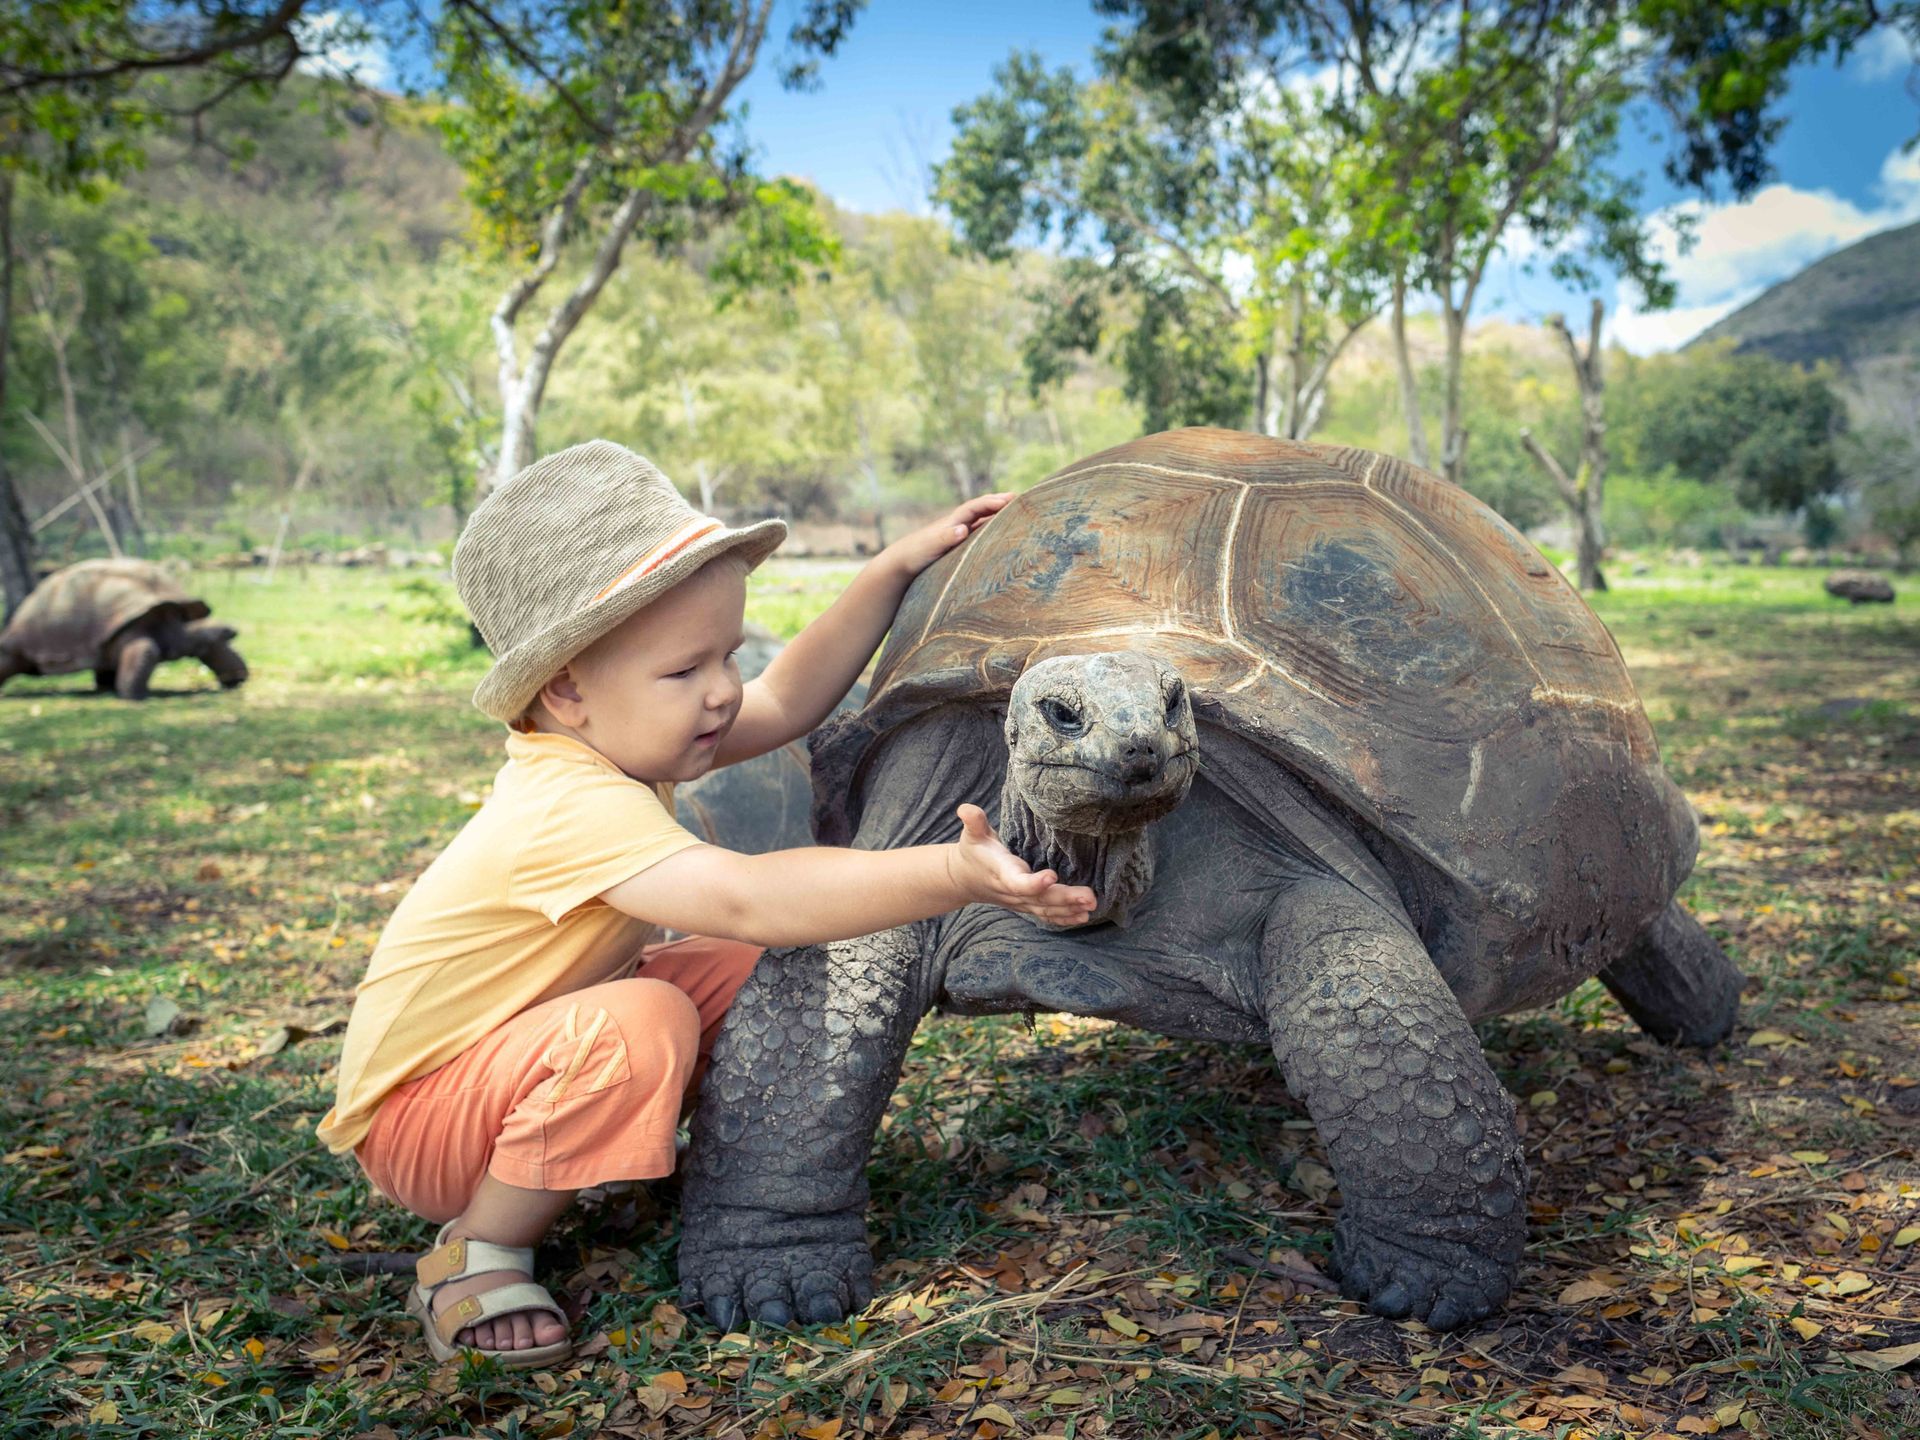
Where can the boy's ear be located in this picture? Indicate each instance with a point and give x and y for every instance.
(561, 695)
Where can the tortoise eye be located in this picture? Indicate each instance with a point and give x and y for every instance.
(1062, 717)
(1174, 698)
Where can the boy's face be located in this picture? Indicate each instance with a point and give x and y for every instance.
(658, 693)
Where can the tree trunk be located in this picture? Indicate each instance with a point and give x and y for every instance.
(1584, 492)
(1267, 420)
(1453, 433)
(17, 575)
(872, 469)
(1417, 450)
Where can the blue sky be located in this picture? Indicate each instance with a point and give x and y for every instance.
(884, 111)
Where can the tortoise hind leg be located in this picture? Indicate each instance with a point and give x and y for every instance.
(1419, 1129)
(1676, 981)
(11, 664)
(135, 666)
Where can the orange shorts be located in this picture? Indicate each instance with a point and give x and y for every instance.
(575, 1091)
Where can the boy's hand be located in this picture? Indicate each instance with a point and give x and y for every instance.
(916, 551)
(991, 873)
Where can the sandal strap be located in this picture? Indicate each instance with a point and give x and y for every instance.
(506, 1299)
(458, 1258)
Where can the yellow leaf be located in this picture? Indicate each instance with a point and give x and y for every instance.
(998, 1414)
(825, 1430)
(1727, 1414)
(105, 1413)
(1434, 1375)
(1543, 1099)
(153, 1332)
(1120, 1324)
(1804, 1327)
(1741, 1264)
(1810, 1157)
(1068, 1396)
(1583, 1376)
(1907, 1235)
(336, 1239)
(213, 1378)
(1582, 1291)
(1897, 1358)
(670, 1380)
(1768, 1037)
(256, 1352)
(1851, 1282)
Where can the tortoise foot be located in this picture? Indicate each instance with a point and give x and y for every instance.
(805, 1281)
(1442, 1283)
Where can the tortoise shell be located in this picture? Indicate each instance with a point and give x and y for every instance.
(69, 619)
(1375, 629)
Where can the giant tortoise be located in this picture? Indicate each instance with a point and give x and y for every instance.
(1349, 767)
(119, 619)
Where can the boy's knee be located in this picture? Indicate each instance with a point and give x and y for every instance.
(655, 1018)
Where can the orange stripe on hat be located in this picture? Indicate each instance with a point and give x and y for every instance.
(658, 556)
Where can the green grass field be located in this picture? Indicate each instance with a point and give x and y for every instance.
(1082, 1231)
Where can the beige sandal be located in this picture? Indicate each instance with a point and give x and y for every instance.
(457, 1259)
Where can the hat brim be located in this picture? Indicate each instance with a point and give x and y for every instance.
(516, 677)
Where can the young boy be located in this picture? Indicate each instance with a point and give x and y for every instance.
(504, 1052)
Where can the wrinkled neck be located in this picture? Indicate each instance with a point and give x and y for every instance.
(1116, 866)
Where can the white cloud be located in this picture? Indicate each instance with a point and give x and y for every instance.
(1646, 331)
(1742, 248)
(1882, 55)
(342, 47)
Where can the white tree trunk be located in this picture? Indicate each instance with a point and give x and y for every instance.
(1417, 450)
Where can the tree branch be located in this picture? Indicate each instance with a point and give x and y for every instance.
(1562, 481)
(278, 25)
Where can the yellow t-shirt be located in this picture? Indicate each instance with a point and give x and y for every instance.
(506, 917)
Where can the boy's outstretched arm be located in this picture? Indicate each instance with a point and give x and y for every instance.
(807, 897)
(809, 677)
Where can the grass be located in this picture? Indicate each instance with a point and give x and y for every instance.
(167, 1220)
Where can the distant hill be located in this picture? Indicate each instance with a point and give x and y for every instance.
(1859, 307)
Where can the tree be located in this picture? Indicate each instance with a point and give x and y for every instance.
(1882, 462)
(1228, 242)
(83, 83)
(583, 124)
(1584, 491)
(1719, 68)
(1764, 428)
(714, 386)
(1473, 122)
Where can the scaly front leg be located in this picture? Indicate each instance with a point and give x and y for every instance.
(1420, 1131)
(775, 1202)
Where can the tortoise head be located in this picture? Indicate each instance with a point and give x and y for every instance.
(1101, 743)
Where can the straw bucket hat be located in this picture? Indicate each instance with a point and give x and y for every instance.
(570, 547)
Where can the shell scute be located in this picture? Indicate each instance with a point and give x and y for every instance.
(1107, 562)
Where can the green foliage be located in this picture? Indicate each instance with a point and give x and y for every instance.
(1721, 72)
(89, 83)
(1668, 509)
(1763, 427)
(1197, 251)
(1882, 461)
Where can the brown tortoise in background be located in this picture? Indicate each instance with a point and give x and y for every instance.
(119, 619)
(1349, 766)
